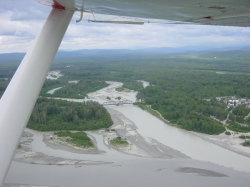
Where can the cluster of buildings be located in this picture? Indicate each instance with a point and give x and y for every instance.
(234, 101)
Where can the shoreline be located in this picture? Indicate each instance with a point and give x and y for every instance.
(57, 143)
(221, 140)
(146, 158)
(137, 145)
(142, 148)
(26, 154)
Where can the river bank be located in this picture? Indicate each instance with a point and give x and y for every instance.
(158, 149)
(123, 127)
(231, 142)
(135, 126)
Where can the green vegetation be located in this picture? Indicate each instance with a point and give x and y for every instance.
(244, 137)
(188, 112)
(228, 133)
(183, 87)
(51, 115)
(77, 138)
(234, 126)
(133, 85)
(78, 90)
(118, 141)
(246, 143)
(239, 114)
(51, 84)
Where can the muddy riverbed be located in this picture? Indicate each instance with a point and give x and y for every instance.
(157, 154)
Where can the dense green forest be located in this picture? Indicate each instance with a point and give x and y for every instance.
(51, 115)
(72, 90)
(239, 114)
(183, 87)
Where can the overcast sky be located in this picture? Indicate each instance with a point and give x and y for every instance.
(21, 21)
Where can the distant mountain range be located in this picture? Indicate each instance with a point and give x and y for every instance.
(242, 52)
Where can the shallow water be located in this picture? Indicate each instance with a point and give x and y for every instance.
(128, 170)
(191, 145)
(108, 153)
(151, 127)
(133, 173)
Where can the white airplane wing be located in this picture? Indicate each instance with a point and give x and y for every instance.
(205, 12)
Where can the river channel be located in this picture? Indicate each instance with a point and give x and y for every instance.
(210, 164)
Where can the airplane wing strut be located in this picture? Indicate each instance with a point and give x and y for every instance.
(20, 96)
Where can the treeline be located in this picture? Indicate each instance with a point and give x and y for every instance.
(73, 90)
(188, 98)
(80, 89)
(133, 85)
(51, 84)
(186, 112)
(240, 114)
(183, 87)
(240, 119)
(51, 115)
(199, 123)
(238, 127)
